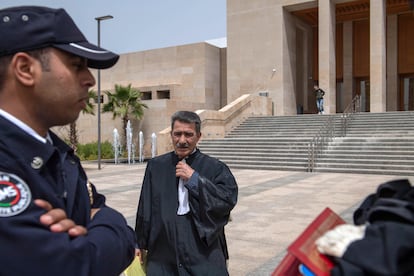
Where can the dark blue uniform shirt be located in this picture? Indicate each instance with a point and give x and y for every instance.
(29, 170)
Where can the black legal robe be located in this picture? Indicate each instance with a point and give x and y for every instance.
(388, 245)
(192, 244)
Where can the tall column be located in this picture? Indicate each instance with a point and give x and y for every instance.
(378, 56)
(348, 88)
(326, 41)
(392, 66)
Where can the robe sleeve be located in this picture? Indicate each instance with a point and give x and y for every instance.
(387, 249)
(143, 217)
(211, 199)
(388, 245)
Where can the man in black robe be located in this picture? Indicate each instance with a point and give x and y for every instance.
(185, 202)
(382, 240)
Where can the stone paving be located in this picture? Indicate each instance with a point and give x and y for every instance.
(274, 207)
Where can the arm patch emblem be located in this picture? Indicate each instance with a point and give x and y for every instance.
(15, 195)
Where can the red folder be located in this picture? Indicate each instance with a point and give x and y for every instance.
(288, 266)
(303, 249)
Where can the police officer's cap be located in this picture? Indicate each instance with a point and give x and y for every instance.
(28, 28)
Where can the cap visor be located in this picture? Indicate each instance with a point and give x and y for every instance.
(97, 57)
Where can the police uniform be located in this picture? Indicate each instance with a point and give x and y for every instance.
(32, 169)
(29, 170)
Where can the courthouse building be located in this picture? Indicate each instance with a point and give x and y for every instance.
(349, 48)
(277, 49)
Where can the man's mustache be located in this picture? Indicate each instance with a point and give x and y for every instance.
(182, 146)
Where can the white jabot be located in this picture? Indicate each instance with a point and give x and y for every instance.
(183, 206)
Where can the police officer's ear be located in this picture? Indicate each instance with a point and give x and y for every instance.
(24, 68)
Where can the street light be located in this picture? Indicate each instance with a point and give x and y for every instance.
(99, 19)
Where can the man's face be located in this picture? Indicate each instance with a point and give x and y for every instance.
(62, 89)
(184, 138)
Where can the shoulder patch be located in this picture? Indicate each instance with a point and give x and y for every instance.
(15, 195)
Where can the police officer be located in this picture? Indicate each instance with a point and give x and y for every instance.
(52, 221)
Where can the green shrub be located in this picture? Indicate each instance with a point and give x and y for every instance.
(89, 151)
(107, 151)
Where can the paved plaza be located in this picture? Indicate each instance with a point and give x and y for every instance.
(273, 207)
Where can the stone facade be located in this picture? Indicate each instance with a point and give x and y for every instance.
(181, 77)
(277, 49)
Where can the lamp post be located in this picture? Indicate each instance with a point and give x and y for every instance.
(99, 19)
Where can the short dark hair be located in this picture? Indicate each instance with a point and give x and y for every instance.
(187, 117)
(4, 64)
(42, 55)
(39, 54)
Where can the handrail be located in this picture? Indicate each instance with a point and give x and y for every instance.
(353, 107)
(327, 132)
(325, 135)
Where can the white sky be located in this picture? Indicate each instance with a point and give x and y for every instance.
(143, 24)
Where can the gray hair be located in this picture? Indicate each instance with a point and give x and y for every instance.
(187, 117)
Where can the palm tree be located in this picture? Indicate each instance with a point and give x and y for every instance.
(73, 132)
(124, 102)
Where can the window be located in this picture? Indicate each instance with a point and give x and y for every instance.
(163, 94)
(146, 95)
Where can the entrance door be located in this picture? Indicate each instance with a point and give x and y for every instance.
(362, 89)
(406, 93)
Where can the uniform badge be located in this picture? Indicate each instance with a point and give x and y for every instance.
(15, 195)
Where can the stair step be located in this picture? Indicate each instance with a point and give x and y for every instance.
(380, 143)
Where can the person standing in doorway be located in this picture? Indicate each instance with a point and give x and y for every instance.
(319, 93)
(185, 202)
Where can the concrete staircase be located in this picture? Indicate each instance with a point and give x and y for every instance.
(376, 143)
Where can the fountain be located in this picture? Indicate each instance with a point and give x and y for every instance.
(153, 145)
(129, 140)
(141, 147)
(116, 145)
